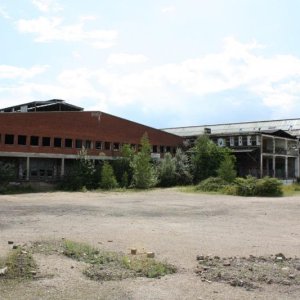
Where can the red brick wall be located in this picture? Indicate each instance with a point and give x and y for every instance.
(76, 125)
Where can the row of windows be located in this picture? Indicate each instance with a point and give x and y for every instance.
(57, 142)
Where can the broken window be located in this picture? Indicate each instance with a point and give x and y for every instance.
(68, 143)
(34, 141)
(46, 141)
(9, 139)
(57, 142)
(168, 149)
(107, 145)
(154, 149)
(98, 145)
(161, 149)
(116, 146)
(22, 139)
(78, 144)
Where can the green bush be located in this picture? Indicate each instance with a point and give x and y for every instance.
(268, 186)
(108, 179)
(229, 189)
(246, 186)
(211, 184)
(251, 186)
(227, 170)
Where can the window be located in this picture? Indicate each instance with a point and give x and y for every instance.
(34, 141)
(133, 147)
(88, 144)
(22, 139)
(78, 144)
(9, 139)
(68, 143)
(154, 149)
(162, 149)
(98, 145)
(116, 146)
(107, 145)
(57, 142)
(168, 149)
(46, 141)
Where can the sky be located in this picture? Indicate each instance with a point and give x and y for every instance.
(162, 63)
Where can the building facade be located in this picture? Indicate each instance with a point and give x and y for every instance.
(42, 139)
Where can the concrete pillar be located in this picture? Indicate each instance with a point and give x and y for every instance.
(62, 169)
(286, 167)
(27, 168)
(274, 167)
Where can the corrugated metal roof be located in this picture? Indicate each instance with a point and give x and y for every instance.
(292, 126)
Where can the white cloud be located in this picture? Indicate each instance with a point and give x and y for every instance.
(52, 29)
(124, 58)
(179, 89)
(12, 72)
(47, 5)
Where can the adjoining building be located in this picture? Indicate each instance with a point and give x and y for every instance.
(266, 148)
(43, 138)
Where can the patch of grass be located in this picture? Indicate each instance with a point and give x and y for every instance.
(20, 265)
(291, 189)
(147, 267)
(105, 265)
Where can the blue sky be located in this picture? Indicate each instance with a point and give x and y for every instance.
(162, 63)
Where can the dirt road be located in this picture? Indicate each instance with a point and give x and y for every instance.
(176, 226)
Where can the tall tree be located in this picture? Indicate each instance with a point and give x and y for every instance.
(144, 175)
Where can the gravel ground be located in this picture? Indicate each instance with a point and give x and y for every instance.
(176, 226)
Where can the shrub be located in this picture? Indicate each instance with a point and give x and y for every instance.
(211, 184)
(229, 189)
(182, 166)
(268, 186)
(167, 171)
(246, 186)
(251, 186)
(108, 179)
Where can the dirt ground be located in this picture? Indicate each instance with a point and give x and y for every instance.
(176, 226)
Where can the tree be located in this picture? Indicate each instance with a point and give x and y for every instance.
(206, 158)
(108, 179)
(182, 167)
(167, 171)
(144, 175)
(227, 170)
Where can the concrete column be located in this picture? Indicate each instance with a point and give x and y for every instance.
(62, 169)
(274, 167)
(274, 146)
(27, 168)
(286, 168)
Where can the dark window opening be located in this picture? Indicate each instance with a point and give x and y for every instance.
(98, 145)
(34, 173)
(42, 173)
(168, 149)
(49, 173)
(107, 145)
(57, 142)
(34, 140)
(161, 149)
(68, 143)
(9, 139)
(78, 144)
(88, 144)
(133, 147)
(116, 146)
(46, 141)
(22, 139)
(154, 149)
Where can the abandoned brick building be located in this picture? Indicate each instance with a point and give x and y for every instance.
(43, 138)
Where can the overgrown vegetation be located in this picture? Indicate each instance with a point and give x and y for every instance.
(106, 265)
(19, 264)
(108, 180)
(249, 186)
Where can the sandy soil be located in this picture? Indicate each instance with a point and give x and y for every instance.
(175, 225)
